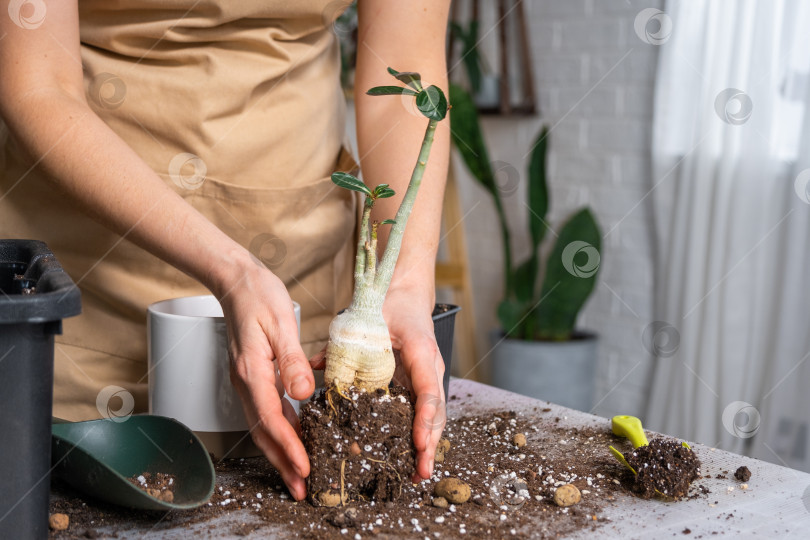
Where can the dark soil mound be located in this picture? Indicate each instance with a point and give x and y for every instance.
(360, 445)
(663, 465)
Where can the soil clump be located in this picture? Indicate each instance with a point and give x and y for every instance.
(663, 466)
(359, 445)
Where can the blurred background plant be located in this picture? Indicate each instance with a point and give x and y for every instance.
(571, 268)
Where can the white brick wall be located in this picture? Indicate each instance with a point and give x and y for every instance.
(595, 85)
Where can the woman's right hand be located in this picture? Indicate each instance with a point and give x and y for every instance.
(267, 359)
(43, 104)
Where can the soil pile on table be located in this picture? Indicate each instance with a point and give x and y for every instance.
(359, 445)
(158, 485)
(664, 466)
(513, 463)
(512, 491)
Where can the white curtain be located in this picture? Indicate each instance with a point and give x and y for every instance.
(731, 206)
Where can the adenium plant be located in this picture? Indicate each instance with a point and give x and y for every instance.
(359, 351)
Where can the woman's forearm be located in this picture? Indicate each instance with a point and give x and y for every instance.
(100, 173)
(407, 36)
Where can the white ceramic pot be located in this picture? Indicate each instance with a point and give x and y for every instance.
(562, 372)
(189, 373)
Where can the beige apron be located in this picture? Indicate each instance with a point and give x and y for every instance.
(238, 106)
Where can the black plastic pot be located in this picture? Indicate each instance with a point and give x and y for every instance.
(444, 321)
(35, 295)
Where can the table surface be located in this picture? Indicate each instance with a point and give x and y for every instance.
(775, 505)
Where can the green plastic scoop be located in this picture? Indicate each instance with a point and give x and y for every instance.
(630, 427)
(98, 456)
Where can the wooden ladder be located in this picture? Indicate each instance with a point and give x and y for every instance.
(453, 273)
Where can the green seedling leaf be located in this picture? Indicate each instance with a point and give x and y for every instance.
(346, 180)
(432, 103)
(389, 222)
(390, 90)
(384, 193)
(375, 192)
(411, 78)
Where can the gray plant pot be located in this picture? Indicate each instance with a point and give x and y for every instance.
(562, 372)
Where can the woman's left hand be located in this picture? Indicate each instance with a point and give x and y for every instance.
(420, 368)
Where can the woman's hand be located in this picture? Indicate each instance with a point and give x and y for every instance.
(420, 368)
(42, 101)
(267, 359)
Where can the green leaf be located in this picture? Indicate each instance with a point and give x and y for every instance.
(432, 103)
(346, 180)
(390, 90)
(384, 193)
(411, 78)
(538, 189)
(526, 278)
(511, 316)
(389, 222)
(570, 277)
(469, 140)
(469, 53)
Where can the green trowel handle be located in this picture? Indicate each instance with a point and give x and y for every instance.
(630, 427)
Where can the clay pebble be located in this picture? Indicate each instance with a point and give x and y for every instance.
(58, 522)
(441, 450)
(567, 495)
(454, 490)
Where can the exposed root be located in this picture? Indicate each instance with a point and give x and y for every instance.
(343, 482)
(335, 387)
(390, 467)
(331, 405)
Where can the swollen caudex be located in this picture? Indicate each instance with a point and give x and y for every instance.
(359, 352)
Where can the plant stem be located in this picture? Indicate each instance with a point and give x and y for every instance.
(360, 258)
(389, 259)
